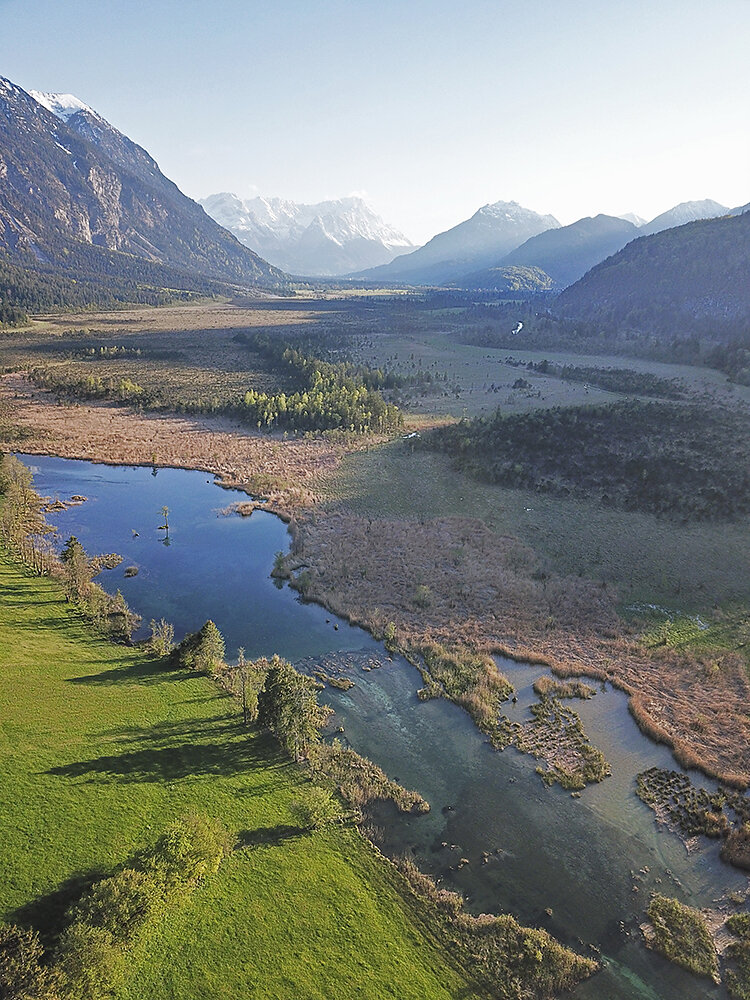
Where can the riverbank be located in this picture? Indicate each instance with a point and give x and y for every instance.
(488, 592)
(285, 471)
(103, 747)
(217, 567)
(492, 593)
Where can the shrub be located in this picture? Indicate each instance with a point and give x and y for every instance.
(315, 807)
(202, 650)
(118, 904)
(681, 935)
(190, 849)
(161, 642)
(22, 974)
(736, 848)
(89, 962)
(422, 596)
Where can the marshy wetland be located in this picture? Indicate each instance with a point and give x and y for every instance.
(582, 865)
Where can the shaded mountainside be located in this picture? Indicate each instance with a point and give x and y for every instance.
(680, 215)
(77, 195)
(327, 238)
(509, 280)
(479, 242)
(671, 282)
(566, 254)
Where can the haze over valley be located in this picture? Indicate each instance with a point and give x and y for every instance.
(374, 501)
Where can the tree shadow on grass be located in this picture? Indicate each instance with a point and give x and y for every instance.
(224, 724)
(37, 625)
(268, 836)
(46, 913)
(140, 672)
(170, 752)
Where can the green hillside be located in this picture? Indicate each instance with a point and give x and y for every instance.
(693, 277)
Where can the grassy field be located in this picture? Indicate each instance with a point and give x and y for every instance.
(100, 748)
(647, 558)
(190, 350)
(485, 381)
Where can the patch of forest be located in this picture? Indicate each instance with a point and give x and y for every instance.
(326, 395)
(495, 326)
(623, 380)
(93, 277)
(685, 460)
(733, 358)
(670, 280)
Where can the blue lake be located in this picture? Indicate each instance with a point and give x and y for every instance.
(583, 868)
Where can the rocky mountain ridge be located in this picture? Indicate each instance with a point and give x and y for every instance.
(328, 238)
(72, 184)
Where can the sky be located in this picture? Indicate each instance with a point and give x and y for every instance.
(428, 108)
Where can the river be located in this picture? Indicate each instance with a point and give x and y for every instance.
(583, 867)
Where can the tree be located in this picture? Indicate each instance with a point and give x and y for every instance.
(288, 706)
(161, 642)
(202, 650)
(210, 656)
(242, 673)
(315, 807)
(77, 569)
(23, 976)
(123, 621)
(90, 962)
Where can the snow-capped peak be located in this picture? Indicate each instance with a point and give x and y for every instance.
(62, 106)
(637, 220)
(513, 213)
(336, 236)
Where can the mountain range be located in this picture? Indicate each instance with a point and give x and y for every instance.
(566, 253)
(81, 202)
(686, 211)
(78, 195)
(477, 253)
(325, 239)
(481, 241)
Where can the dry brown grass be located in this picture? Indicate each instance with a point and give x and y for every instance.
(487, 592)
(447, 580)
(284, 471)
(203, 316)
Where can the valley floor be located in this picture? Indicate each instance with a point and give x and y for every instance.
(539, 577)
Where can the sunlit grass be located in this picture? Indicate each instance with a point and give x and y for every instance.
(100, 747)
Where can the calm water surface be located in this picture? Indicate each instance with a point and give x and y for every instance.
(583, 868)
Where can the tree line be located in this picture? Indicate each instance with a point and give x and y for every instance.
(88, 960)
(26, 534)
(328, 396)
(684, 460)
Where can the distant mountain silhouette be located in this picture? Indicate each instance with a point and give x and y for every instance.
(479, 242)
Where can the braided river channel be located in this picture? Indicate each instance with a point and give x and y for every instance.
(583, 868)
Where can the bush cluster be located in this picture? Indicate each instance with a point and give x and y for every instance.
(680, 460)
(89, 959)
(326, 396)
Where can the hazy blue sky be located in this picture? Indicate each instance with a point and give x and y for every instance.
(429, 108)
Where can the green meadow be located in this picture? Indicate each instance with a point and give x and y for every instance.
(101, 747)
